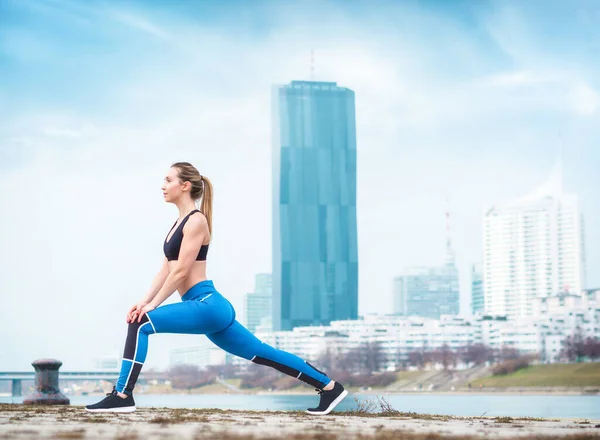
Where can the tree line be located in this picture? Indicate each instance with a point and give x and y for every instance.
(366, 364)
(576, 347)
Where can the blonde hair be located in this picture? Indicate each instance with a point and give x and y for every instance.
(201, 188)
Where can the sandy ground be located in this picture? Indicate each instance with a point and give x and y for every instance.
(73, 422)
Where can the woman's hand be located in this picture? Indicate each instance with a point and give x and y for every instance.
(134, 311)
(147, 308)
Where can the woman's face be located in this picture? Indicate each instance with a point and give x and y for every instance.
(172, 187)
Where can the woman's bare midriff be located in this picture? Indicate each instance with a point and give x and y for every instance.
(197, 273)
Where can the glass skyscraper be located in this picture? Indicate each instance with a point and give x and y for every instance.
(477, 297)
(257, 305)
(315, 257)
(427, 291)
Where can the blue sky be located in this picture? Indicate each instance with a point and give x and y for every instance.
(465, 100)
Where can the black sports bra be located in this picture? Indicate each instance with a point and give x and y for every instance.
(172, 247)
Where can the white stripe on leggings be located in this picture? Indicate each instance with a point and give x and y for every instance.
(137, 343)
(131, 360)
(150, 324)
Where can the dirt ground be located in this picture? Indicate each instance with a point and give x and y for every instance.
(73, 422)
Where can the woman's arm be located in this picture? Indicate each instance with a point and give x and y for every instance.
(158, 281)
(194, 233)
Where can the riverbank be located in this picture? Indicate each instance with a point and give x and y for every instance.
(547, 375)
(554, 379)
(31, 422)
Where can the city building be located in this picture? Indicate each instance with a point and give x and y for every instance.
(592, 294)
(533, 248)
(202, 357)
(541, 335)
(265, 325)
(257, 305)
(429, 292)
(315, 257)
(477, 295)
(564, 315)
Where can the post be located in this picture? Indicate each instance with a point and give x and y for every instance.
(16, 388)
(47, 390)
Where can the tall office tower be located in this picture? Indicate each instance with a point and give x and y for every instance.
(315, 257)
(429, 291)
(258, 305)
(477, 298)
(534, 247)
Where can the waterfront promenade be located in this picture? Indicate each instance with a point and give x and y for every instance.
(73, 422)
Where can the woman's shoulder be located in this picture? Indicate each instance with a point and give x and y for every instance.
(196, 220)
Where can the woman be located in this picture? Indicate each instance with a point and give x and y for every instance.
(202, 310)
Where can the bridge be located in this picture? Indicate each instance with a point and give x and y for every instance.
(18, 376)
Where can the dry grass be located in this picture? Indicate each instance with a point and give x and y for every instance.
(326, 429)
(377, 407)
(94, 420)
(77, 433)
(333, 428)
(409, 375)
(380, 407)
(129, 434)
(181, 416)
(381, 434)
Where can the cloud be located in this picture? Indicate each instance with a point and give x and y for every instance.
(520, 79)
(584, 99)
(138, 22)
(566, 91)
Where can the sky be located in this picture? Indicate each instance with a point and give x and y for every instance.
(464, 101)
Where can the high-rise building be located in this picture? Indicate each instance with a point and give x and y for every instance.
(428, 292)
(202, 356)
(257, 305)
(401, 295)
(534, 248)
(477, 297)
(315, 257)
(263, 283)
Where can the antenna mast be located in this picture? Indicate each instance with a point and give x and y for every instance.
(449, 253)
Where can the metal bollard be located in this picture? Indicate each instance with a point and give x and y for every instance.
(47, 390)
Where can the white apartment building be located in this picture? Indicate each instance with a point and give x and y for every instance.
(542, 334)
(533, 247)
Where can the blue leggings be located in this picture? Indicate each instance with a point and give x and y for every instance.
(204, 311)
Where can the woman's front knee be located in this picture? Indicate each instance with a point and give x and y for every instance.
(141, 326)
